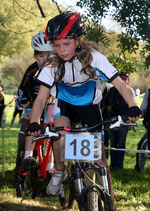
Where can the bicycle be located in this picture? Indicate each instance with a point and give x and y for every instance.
(28, 183)
(143, 159)
(83, 173)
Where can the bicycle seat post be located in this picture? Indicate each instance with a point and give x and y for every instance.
(103, 175)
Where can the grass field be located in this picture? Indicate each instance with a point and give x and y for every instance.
(131, 189)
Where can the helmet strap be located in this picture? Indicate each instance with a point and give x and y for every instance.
(78, 48)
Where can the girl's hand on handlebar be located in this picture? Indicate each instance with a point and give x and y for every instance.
(34, 129)
(133, 114)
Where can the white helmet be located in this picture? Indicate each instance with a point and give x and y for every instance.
(39, 42)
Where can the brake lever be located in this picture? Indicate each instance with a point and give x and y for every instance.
(39, 137)
(120, 122)
(117, 123)
(50, 134)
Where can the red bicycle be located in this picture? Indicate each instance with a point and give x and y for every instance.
(28, 183)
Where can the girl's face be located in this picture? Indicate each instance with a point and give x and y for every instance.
(41, 57)
(65, 48)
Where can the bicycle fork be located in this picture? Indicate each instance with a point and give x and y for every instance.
(78, 179)
(103, 175)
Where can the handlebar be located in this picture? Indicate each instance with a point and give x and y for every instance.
(115, 122)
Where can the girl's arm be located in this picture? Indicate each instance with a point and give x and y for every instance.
(126, 93)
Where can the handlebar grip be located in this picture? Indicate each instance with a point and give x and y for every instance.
(124, 118)
(42, 130)
(33, 127)
(26, 133)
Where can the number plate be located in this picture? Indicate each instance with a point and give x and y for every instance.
(80, 147)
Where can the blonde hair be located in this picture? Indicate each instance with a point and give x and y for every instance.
(84, 56)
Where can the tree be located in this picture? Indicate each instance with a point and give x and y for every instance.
(20, 20)
(13, 70)
(133, 15)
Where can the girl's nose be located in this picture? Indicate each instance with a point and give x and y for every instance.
(62, 48)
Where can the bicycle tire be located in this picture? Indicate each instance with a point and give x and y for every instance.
(66, 197)
(143, 159)
(18, 187)
(94, 202)
(30, 185)
(93, 199)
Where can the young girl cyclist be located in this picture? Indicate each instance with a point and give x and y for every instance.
(74, 72)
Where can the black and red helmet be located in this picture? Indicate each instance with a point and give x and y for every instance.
(65, 25)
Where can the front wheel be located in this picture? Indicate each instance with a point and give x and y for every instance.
(31, 184)
(143, 159)
(94, 202)
(66, 197)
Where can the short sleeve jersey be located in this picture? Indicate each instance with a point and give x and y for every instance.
(75, 87)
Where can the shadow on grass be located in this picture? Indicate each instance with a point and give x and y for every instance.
(9, 201)
(8, 179)
(20, 207)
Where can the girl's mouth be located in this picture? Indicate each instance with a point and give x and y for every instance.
(65, 56)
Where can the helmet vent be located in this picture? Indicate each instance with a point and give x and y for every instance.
(40, 40)
(39, 43)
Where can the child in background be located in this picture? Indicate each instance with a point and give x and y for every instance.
(27, 93)
(115, 105)
(18, 110)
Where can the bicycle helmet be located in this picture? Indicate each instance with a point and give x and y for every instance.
(65, 25)
(39, 42)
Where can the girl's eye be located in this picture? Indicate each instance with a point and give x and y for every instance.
(67, 43)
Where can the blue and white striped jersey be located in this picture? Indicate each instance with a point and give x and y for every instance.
(75, 87)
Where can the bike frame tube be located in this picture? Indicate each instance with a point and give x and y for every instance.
(43, 161)
(38, 148)
(48, 148)
(23, 174)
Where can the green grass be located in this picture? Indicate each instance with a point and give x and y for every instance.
(131, 189)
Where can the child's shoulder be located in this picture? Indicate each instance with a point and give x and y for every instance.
(97, 56)
(33, 65)
(32, 68)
